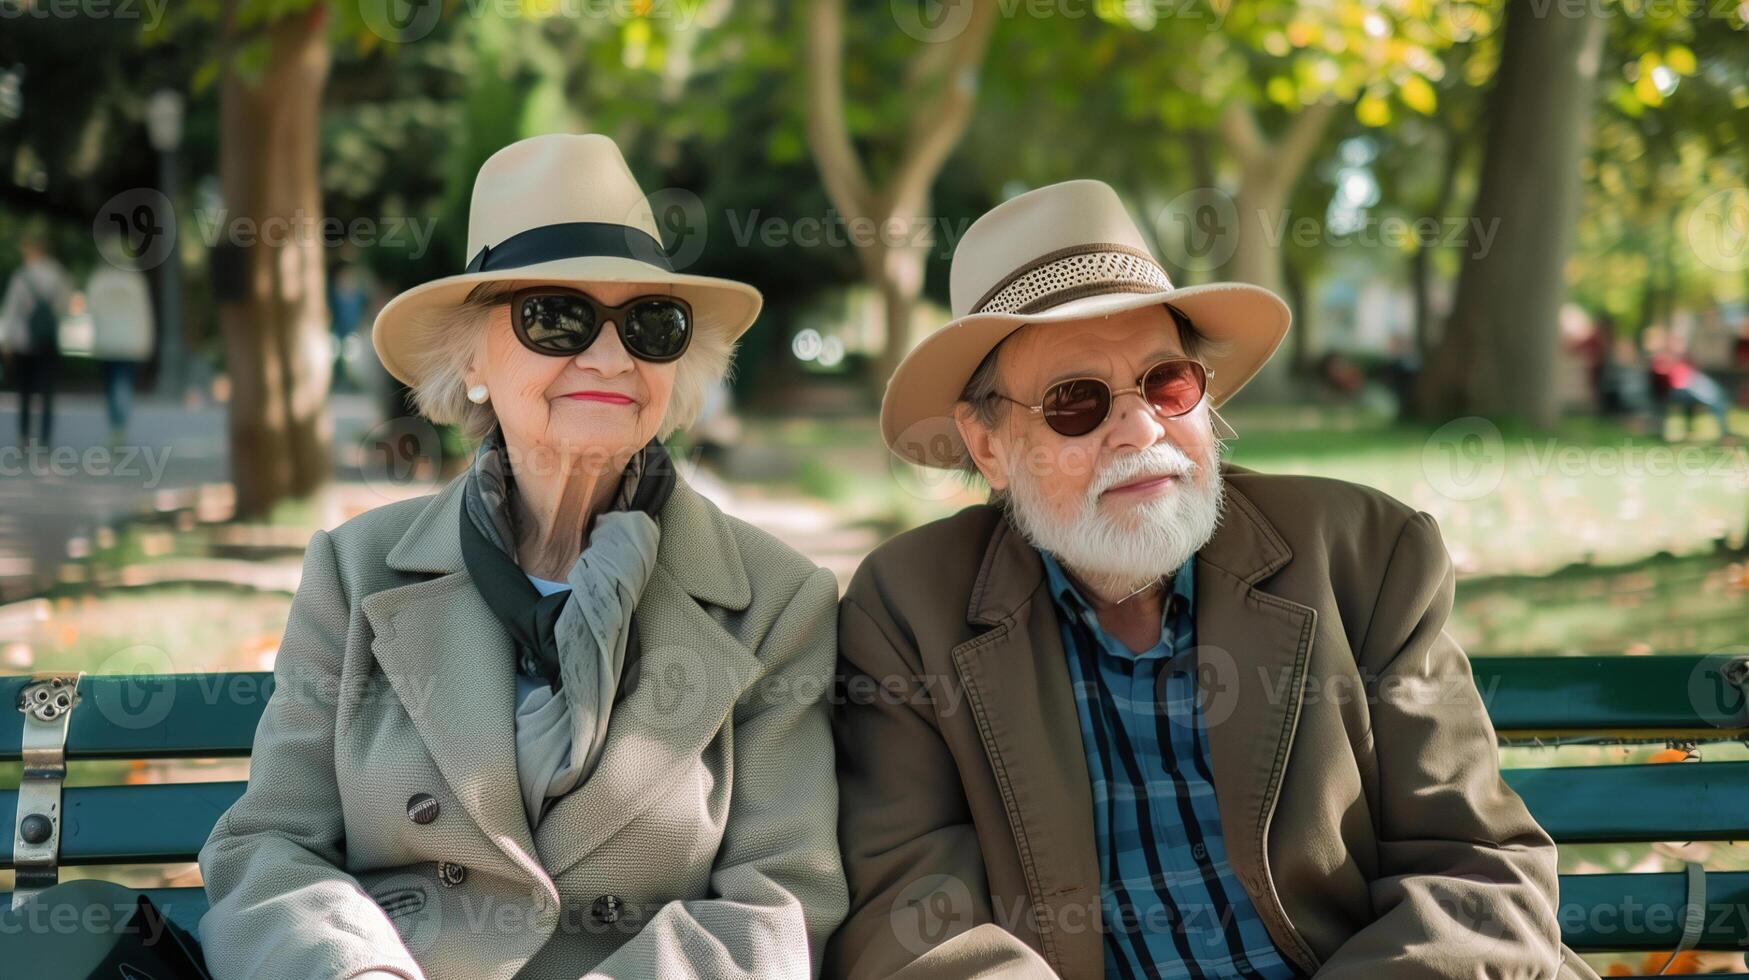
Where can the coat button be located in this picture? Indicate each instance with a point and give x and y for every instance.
(450, 874)
(606, 909)
(421, 808)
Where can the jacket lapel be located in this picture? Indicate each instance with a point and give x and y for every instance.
(1017, 686)
(451, 663)
(1253, 650)
(1252, 655)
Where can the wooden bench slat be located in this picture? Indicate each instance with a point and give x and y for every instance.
(1664, 696)
(1599, 913)
(1644, 912)
(1668, 695)
(154, 717)
(1679, 801)
(183, 906)
(147, 824)
(1579, 804)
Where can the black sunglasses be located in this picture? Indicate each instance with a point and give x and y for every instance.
(1077, 406)
(562, 322)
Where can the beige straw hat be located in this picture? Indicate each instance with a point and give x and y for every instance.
(560, 209)
(1062, 252)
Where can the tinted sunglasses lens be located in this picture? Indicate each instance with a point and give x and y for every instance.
(1175, 387)
(657, 330)
(558, 323)
(1075, 408)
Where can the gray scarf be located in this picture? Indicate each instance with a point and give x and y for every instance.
(561, 727)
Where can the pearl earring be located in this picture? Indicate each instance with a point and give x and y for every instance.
(478, 394)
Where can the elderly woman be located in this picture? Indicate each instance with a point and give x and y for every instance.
(563, 718)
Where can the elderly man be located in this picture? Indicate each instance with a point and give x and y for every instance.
(1144, 714)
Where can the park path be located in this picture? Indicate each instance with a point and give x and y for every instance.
(57, 507)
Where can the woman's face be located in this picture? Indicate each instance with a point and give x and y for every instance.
(600, 405)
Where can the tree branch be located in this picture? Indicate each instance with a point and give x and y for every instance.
(841, 169)
(937, 127)
(1244, 138)
(1294, 150)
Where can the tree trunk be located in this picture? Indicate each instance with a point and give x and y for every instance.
(1269, 169)
(1421, 263)
(1498, 354)
(942, 78)
(275, 323)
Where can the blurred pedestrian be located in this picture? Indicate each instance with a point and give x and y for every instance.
(1624, 387)
(30, 321)
(1676, 381)
(350, 296)
(120, 302)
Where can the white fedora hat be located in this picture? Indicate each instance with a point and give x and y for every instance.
(561, 208)
(1060, 253)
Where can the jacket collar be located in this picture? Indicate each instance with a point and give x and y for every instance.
(1245, 545)
(690, 524)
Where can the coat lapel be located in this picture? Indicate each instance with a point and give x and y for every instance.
(451, 663)
(1017, 686)
(1252, 654)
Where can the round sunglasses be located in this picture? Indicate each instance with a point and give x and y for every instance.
(1077, 406)
(563, 322)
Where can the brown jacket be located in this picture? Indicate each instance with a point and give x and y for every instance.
(1355, 768)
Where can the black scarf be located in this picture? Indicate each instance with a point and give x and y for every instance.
(488, 540)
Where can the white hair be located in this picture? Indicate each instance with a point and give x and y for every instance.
(1117, 555)
(443, 343)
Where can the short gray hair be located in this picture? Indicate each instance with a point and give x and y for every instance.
(444, 342)
(980, 392)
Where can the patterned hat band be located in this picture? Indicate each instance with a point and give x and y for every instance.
(1072, 273)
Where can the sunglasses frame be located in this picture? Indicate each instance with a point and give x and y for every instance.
(603, 312)
(1113, 393)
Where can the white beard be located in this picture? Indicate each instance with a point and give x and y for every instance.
(1118, 554)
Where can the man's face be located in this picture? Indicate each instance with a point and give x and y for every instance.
(1130, 500)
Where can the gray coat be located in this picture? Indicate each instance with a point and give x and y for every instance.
(704, 844)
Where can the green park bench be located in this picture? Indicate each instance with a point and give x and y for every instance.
(1674, 699)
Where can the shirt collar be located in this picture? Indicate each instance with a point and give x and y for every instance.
(1070, 599)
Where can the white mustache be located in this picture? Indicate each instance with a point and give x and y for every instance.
(1160, 459)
